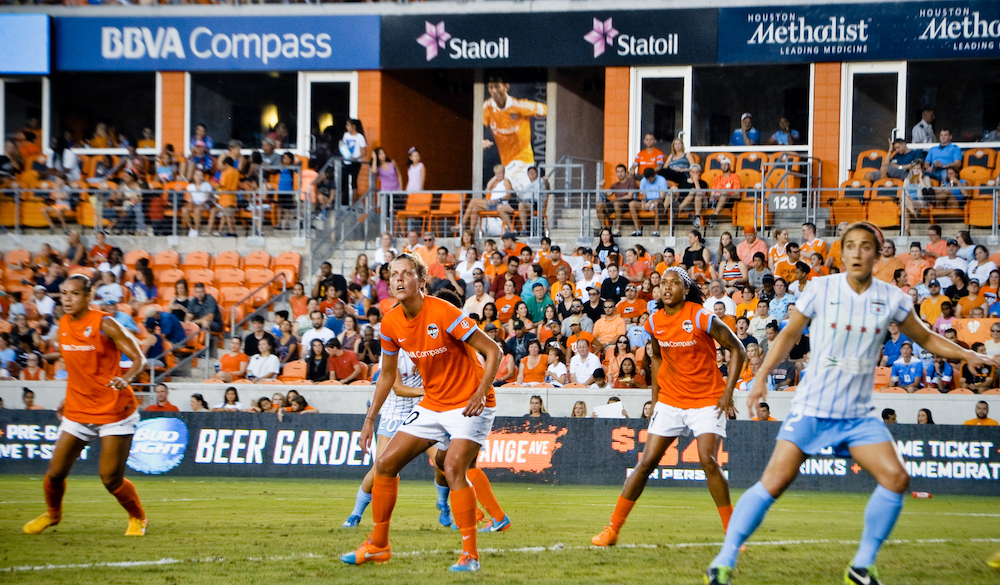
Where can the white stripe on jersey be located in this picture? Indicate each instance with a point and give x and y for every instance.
(846, 332)
(399, 407)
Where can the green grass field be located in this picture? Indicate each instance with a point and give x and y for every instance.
(285, 531)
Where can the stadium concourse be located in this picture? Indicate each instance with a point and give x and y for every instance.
(322, 329)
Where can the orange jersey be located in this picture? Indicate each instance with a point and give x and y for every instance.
(818, 271)
(511, 127)
(688, 376)
(505, 307)
(778, 253)
(647, 159)
(835, 254)
(630, 309)
(435, 341)
(785, 269)
(813, 247)
(92, 360)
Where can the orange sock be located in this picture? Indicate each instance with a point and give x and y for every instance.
(725, 512)
(384, 491)
(484, 491)
(622, 509)
(129, 499)
(53, 497)
(463, 507)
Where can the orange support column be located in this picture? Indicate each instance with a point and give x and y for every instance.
(617, 85)
(370, 114)
(826, 121)
(172, 99)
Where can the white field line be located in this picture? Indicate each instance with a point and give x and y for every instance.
(526, 549)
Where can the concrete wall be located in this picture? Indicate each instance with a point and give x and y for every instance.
(947, 409)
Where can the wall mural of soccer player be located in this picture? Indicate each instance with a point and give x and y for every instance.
(515, 127)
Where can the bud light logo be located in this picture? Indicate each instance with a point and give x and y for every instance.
(158, 445)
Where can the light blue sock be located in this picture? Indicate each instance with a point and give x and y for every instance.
(880, 516)
(443, 492)
(747, 516)
(361, 502)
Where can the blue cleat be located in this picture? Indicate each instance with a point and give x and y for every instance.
(352, 522)
(465, 563)
(445, 517)
(495, 526)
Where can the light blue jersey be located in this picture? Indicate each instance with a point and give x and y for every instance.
(847, 331)
(395, 409)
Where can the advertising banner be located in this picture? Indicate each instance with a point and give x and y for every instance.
(276, 43)
(549, 39)
(24, 44)
(939, 458)
(859, 32)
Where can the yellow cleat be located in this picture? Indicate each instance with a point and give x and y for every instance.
(136, 527)
(608, 537)
(994, 560)
(39, 524)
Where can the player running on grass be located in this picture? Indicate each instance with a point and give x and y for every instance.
(848, 315)
(457, 409)
(688, 390)
(99, 403)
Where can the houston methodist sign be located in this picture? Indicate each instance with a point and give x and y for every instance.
(279, 43)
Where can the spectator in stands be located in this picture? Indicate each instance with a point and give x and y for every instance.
(887, 263)
(109, 289)
(101, 250)
(517, 345)
(606, 247)
(628, 376)
(778, 306)
(583, 364)
(945, 266)
(786, 267)
(162, 404)
(889, 416)
(758, 271)
(725, 187)
(28, 398)
(922, 131)
(982, 416)
(32, 370)
(369, 349)
(501, 194)
(59, 198)
(733, 271)
(992, 344)
(746, 134)
(350, 335)
(952, 187)
(907, 371)
(257, 333)
(649, 157)
(288, 344)
(610, 326)
(938, 373)
(785, 134)
(344, 365)
(416, 173)
(205, 310)
(677, 165)
(924, 417)
(264, 365)
(978, 379)
(44, 304)
(653, 193)
(588, 279)
(897, 162)
(696, 193)
(233, 365)
(142, 288)
(966, 247)
(113, 263)
(943, 157)
(718, 294)
(959, 288)
(319, 332)
(980, 267)
(579, 410)
(317, 361)
(974, 300)
(552, 263)
(327, 279)
(199, 201)
(128, 198)
(230, 402)
(300, 406)
(630, 307)
(620, 192)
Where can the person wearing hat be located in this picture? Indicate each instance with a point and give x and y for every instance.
(907, 371)
(631, 306)
(930, 308)
(725, 187)
(750, 245)
(593, 304)
(518, 344)
(746, 134)
(947, 265)
(44, 304)
(576, 335)
(590, 279)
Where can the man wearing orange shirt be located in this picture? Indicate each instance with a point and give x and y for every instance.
(28, 149)
(99, 252)
(786, 268)
(609, 327)
(162, 404)
(887, 264)
(982, 420)
(429, 251)
(509, 121)
(750, 245)
(938, 246)
(551, 264)
(648, 158)
(631, 307)
(669, 260)
(725, 187)
(812, 244)
(915, 265)
(511, 247)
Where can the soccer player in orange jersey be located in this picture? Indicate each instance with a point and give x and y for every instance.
(99, 403)
(688, 391)
(509, 119)
(457, 409)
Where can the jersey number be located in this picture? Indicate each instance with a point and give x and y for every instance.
(413, 416)
(791, 420)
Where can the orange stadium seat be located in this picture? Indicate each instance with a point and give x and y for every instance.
(985, 158)
(258, 259)
(197, 259)
(19, 256)
(928, 391)
(882, 377)
(892, 390)
(167, 278)
(289, 260)
(229, 277)
(295, 370)
(753, 161)
(228, 259)
(199, 275)
(868, 161)
(165, 259)
(133, 256)
(418, 206)
(449, 207)
(961, 391)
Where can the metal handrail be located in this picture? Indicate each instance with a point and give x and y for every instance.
(284, 287)
(154, 379)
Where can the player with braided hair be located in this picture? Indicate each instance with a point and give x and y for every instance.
(688, 391)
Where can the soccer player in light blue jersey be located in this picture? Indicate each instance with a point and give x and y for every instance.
(848, 315)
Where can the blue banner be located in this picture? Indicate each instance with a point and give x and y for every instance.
(859, 32)
(279, 43)
(24, 44)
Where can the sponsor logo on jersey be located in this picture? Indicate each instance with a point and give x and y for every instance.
(158, 445)
(88, 331)
(688, 326)
(432, 330)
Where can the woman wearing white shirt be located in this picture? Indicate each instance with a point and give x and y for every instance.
(556, 374)
(980, 266)
(353, 148)
(386, 253)
(966, 249)
(231, 402)
(415, 172)
(264, 365)
(466, 268)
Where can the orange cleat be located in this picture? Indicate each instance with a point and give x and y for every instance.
(368, 552)
(608, 537)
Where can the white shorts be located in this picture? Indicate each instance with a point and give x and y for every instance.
(89, 432)
(516, 171)
(446, 426)
(670, 421)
